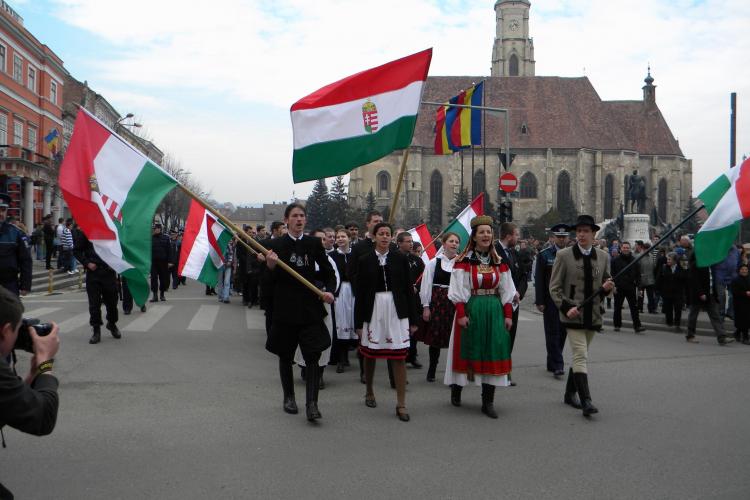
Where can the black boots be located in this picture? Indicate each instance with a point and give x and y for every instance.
(287, 384)
(434, 358)
(571, 395)
(114, 330)
(488, 400)
(162, 297)
(96, 336)
(156, 299)
(582, 384)
(456, 394)
(311, 391)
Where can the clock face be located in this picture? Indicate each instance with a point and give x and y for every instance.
(514, 25)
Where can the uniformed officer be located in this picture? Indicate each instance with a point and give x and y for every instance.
(554, 332)
(15, 258)
(161, 262)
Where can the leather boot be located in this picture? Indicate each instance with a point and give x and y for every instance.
(287, 384)
(96, 336)
(456, 394)
(311, 392)
(434, 358)
(582, 384)
(162, 297)
(155, 299)
(571, 396)
(488, 400)
(114, 330)
(745, 338)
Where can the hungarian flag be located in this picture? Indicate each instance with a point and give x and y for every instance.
(461, 225)
(727, 201)
(204, 246)
(112, 191)
(421, 234)
(359, 119)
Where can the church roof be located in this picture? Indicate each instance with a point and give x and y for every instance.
(558, 113)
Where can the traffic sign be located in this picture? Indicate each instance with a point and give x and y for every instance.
(508, 182)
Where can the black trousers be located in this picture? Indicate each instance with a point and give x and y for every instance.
(175, 277)
(554, 337)
(650, 294)
(127, 299)
(672, 310)
(250, 289)
(101, 288)
(513, 329)
(620, 297)
(49, 250)
(160, 275)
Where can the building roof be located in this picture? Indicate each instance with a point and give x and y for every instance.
(558, 113)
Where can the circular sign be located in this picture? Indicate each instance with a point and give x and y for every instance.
(508, 182)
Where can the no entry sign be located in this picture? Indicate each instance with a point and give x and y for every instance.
(508, 182)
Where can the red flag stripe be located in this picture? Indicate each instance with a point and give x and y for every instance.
(742, 188)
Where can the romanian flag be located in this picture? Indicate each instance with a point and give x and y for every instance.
(442, 146)
(51, 140)
(466, 127)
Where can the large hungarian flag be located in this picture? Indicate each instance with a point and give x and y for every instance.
(727, 200)
(112, 191)
(359, 119)
(421, 235)
(204, 246)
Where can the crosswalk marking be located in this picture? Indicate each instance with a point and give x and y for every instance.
(147, 320)
(40, 313)
(255, 320)
(205, 317)
(74, 323)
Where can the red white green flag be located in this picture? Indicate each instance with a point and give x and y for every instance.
(461, 225)
(204, 246)
(421, 234)
(727, 200)
(112, 190)
(359, 119)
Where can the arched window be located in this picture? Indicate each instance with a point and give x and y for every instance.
(563, 190)
(436, 199)
(609, 194)
(513, 65)
(662, 200)
(478, 183)
(384, 185)
(528, 185)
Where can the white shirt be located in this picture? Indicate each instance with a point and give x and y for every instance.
(381, 257)
(584, 251)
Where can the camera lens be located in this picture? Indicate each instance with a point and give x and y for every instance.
(43, 329)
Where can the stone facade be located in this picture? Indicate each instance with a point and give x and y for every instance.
(568, 142)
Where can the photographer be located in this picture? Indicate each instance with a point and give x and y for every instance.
(29, 405)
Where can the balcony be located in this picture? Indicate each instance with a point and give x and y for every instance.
(10, 152)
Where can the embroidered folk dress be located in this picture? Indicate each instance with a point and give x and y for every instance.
(434, 294)
(483, 291)
(344, 305)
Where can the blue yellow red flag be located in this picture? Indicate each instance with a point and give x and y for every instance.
(51, 140)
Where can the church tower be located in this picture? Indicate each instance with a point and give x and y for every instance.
(513, 51)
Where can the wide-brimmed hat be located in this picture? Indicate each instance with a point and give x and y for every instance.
(560, 230)
(4, 200)
(585, 220)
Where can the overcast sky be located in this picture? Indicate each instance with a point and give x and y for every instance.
(212, 82)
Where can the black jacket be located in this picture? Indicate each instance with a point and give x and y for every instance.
(15, 258)
(740, 287)
(511, 258)
(31, 409)
(161, 248)
(291, 301)
(84, 252)
(699, 282)
(363, 246)
(628, 281)
(671, 284)
(399, 276)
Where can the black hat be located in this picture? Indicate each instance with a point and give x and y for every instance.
(4, 200)
(585, 220)
(560, 230)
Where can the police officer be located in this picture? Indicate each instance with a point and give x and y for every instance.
(161, 262)
(554, 332)
(15, 258)
(176, 241)
(101, 287)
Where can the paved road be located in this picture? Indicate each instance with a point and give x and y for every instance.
(188, 405)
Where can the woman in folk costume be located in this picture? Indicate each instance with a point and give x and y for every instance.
(437, 310)
(741, 297)
(344, 305)
(482, 289)
(385, 313)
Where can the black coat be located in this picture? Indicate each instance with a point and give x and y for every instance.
(161, 248)
(740, 287)
(292, 302)
(31, 409)
(84, 252)
(672, 285)
(397, 265)
(511, 258)
(363, 246)
(628, 281)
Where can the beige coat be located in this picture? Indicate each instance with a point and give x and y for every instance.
(568, 287)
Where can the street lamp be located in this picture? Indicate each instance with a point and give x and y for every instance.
(129, 115)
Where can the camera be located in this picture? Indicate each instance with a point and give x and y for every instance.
(23, 342)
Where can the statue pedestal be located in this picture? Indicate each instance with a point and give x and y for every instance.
(635, 228)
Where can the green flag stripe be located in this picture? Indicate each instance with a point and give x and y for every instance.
(460, 230)
(713, 193)
(711, 247)
(329, 159)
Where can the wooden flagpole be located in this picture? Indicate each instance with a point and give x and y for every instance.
(394, 203)
(256, 246)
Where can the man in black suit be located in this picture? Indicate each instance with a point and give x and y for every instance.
(506, 248)
(416, 268)
(297, 318)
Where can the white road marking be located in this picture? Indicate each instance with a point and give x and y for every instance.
(255, 319)
(74, 323)
(40, 313)
(205, 318)
(145, 321)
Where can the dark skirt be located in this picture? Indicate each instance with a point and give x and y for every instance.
(437, 331)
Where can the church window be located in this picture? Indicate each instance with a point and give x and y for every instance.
(609, 194)
(662, 200)
(436, 199)
(478, 183)
(384, 185)
(563, 190)
(528, 185)
(513, 65)
(524, 129)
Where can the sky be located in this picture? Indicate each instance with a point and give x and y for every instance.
(212, 82)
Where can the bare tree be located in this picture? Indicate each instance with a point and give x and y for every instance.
(173, 210)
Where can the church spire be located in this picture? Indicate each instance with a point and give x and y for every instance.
(649, 90)
(513, 50)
